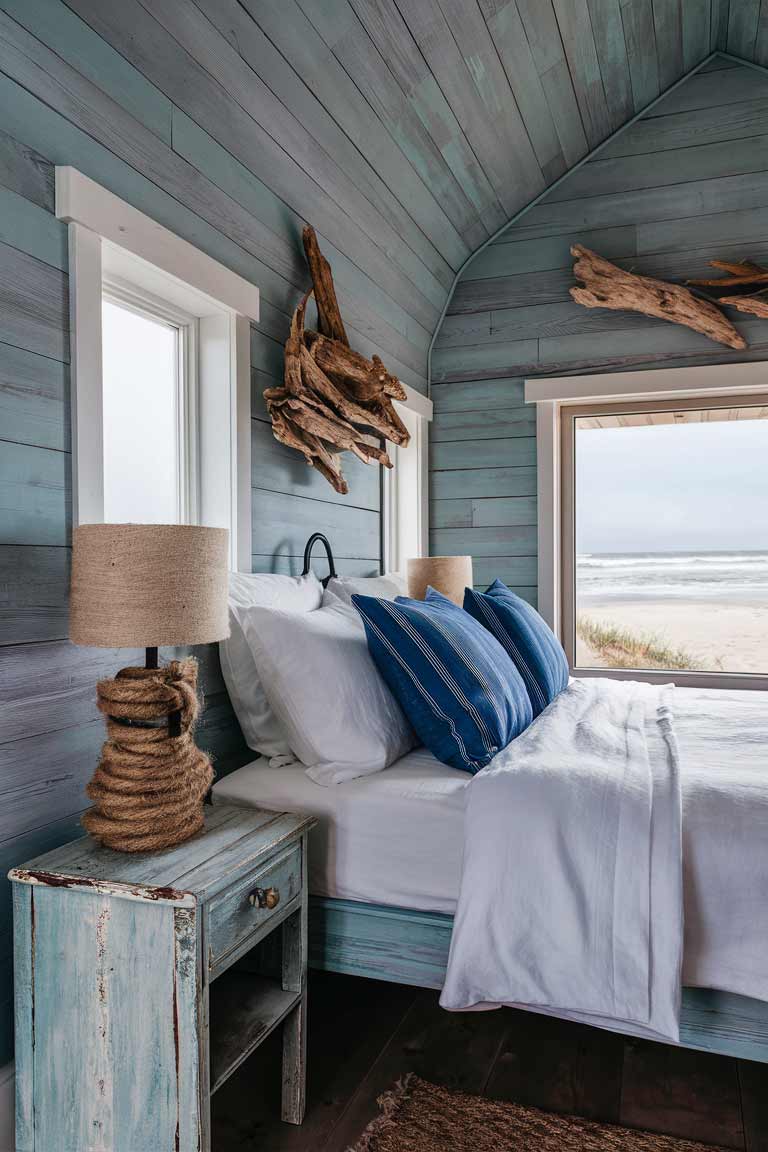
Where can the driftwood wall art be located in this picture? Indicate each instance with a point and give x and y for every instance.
(606, 286)
(333, 399)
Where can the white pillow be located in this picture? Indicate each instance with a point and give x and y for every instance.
(340, 717)
(261, 728)
(386, 587)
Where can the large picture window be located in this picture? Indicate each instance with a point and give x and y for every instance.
(665, 536)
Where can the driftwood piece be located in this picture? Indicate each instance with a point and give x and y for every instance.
(332, 399)
(607, 286)
(331, 462)
(384, 420)
(364, 379)
(755, 305)
(329, 319)
(740, 274)
(287, 433)
(293, 346)
(313, 450)
(333, 474)
(381, 419)
(323, 386)
(315, 424)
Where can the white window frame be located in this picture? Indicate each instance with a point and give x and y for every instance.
(111, 242)
(553, 394)
(406, 485)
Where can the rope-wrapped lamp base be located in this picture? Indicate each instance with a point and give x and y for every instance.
(149, 787)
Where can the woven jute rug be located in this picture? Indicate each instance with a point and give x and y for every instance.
(421, 1117)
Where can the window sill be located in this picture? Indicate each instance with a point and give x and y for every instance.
(719, 680)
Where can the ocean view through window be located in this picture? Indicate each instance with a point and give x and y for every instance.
(668, 541)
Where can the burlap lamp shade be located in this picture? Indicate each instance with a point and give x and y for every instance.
(448, 574)
(149, 586)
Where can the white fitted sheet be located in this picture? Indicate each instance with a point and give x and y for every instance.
(391, 838)
(396, 837)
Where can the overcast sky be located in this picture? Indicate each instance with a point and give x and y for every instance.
(685, 487)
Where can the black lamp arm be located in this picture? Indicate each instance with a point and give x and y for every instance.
(308, 552)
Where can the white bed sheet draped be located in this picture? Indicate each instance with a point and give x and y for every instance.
(571, 892)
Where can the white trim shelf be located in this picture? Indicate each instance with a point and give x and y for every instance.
(80, 200)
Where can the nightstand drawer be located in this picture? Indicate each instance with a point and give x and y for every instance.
(243, 910)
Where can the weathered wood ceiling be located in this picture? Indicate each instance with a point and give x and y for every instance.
(465, 109)
(492, 100)
(406, 131)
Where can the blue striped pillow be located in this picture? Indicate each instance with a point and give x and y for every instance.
(531, 643)
(454, 681)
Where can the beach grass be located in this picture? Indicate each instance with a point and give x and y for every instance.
(620, 648)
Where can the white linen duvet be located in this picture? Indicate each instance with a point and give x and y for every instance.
(571, 894)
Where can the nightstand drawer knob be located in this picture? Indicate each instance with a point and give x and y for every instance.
(264, 898)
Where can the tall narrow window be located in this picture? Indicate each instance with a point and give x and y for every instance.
(666, 536)
(160, 364)
(146, 360)
(405, 500)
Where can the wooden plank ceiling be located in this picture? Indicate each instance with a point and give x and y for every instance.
(491, 101)
(407, 131)
(464, 109)
(512, 94)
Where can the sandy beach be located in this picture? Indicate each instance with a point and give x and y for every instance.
(730, 637)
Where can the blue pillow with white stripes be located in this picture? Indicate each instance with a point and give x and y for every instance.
(526, 637)
(454, 681)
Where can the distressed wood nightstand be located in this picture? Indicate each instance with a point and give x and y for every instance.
(133, 1002)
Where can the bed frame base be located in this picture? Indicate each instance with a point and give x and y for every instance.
(409, 947)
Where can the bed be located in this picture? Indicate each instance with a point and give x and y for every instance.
(385, 866)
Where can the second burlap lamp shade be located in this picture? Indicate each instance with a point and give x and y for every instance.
(448, 574)
(149, 586)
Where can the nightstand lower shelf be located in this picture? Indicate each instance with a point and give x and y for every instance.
(244, 1009)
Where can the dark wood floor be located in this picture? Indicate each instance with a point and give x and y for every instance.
(363, 1035)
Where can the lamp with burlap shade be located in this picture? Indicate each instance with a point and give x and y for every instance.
(448, 574)
(149, 586)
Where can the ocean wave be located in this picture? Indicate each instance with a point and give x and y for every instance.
(674, 560)
(698, 575)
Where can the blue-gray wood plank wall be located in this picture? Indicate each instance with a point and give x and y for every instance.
(406, 131)
(685, 184)
(162, 110)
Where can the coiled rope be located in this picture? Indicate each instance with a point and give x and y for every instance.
(149, 787)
